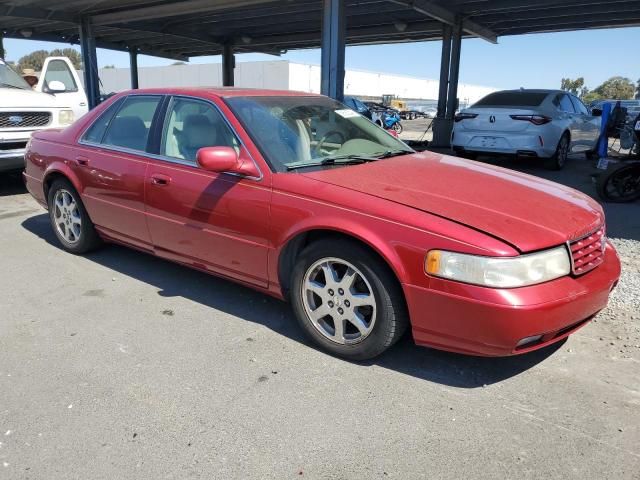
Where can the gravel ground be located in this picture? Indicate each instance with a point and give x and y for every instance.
(622, 317)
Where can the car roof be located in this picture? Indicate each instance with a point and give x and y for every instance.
(532, 90)
(222, 92)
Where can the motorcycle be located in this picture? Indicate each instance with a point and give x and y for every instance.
(622, 183)
(391, 121)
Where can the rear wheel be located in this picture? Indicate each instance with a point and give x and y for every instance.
(559, 159)
(70, 220)
(346, 300)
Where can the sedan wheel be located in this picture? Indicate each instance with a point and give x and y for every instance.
(66, 216)
(559, 159)
(339, 301)
(69, 219)
(346, 299)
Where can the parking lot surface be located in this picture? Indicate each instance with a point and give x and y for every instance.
(119, 365)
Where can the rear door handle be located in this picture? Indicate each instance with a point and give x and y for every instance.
(160, 179)
(82, 161)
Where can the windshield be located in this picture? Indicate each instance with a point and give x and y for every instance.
(300, 132)
(9, 78)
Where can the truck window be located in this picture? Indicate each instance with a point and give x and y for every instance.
(59, 70)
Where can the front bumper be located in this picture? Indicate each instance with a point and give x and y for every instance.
(483, 321)
(11, 159)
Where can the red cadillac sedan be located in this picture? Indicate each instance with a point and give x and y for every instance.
(299, 197)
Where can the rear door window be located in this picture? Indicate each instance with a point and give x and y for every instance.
(565, 104)
(95, 133)
(579, 106)
(512, 99)
(130, 127)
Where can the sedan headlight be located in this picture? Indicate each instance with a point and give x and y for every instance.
(500, 272)
(65, 117)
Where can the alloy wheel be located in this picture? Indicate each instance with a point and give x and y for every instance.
(66, 216)
(339, 301)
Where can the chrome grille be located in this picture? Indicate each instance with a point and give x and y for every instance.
(24, 119)
(588, 252)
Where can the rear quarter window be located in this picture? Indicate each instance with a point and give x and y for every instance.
(512, 99)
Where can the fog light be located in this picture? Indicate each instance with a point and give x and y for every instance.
(527, 340)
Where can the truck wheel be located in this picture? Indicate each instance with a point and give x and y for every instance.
(347, 300)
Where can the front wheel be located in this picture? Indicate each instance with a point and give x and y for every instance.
(70, 220)
(397, 127)
(347, 300)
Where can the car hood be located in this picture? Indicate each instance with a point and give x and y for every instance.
(525, 211)
(17, 98)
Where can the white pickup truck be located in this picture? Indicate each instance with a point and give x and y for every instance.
(55, 101)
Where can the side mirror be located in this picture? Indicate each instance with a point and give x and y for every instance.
(218, 159)
(596, 112)
(56, 86)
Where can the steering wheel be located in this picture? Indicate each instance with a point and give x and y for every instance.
(327, 136)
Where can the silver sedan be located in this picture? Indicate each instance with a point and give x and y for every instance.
(548, 124)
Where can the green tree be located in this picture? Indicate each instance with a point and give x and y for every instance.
(616, 88)
(35, 60)
(574, 86)
(638, 90)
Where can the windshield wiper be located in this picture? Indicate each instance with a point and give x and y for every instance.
(393, 153)
(337, 160)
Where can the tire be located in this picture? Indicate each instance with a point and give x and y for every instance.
(397, 127)
(382, 316)
(69, 219)
(559, 159)
(620, 185)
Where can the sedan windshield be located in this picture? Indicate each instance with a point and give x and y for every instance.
(10, 79)
(295, 132)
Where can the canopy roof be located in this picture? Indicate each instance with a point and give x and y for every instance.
(186, 28)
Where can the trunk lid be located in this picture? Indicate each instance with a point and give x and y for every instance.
(495, 120)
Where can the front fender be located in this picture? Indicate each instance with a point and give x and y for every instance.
(355, 229)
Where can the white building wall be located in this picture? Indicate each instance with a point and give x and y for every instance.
(284, 75)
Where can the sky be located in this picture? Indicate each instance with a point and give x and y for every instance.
(529, 61)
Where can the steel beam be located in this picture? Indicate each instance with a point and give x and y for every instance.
(1, 46)
(172, 9)
(454, 72)
(445, 61)
(89, 62)
(333, 49)
(228, 65)
(445, 15)
(133, 68)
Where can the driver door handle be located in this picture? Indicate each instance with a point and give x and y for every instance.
(160, 179)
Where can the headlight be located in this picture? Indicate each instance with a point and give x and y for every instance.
(500, 272)
(65, 117)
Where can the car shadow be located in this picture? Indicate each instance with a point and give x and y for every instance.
(11, 184)
(173, 280)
